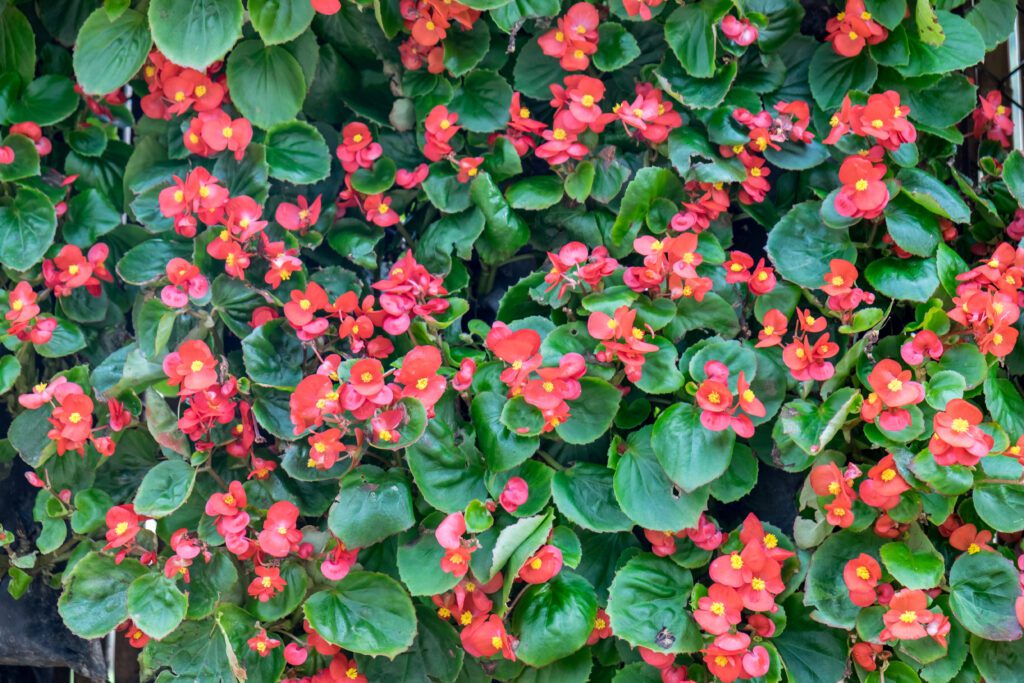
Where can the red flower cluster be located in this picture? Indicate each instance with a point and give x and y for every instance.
(958, 439)
(807, 361)
(705, 536)
(545, 388)
(992, 120)
(23, 316)
(718, 412)
(575, 264)
(574, 38)
(883, 120)
(840, 286)
(621, 340)
(891, 390)
(428, 22)
(828, 482)
(864, 193)
(861, 576)
(186, 282)
(909, 618)
(760, 281)
(298, 217)
(853, 29)
(670, 261)
(450, 534)
(71, 269)
(989, 298)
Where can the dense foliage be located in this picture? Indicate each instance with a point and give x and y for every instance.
(459, 340)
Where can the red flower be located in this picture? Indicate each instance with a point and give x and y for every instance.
(884, 485)
(892, 385)
(261, 644)
(378, 210)
(863, 194)
(192, 367)
(602, 627)
(357, 149)
(418, 375)
(72, 421)
(719, 610)
(907, 617)
(134, 635)
(486, 638)
(544, 564)
(957, 437)
(439, 128)
(344, 669)
(326, 6)
(267, 584)
(515, 493)
(724, 656)
(468, 168)
(279, 536)
(838, 512)
(924, 343)
(864, 654)
(221, 132)
(970, 540)
(739, 31)
(773, 329)
(302, 309)
(299, 216)
(861, 575)
(227, 504)
(339, 562)
(123, 525)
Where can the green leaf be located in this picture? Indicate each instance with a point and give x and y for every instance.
(1005, 404)
(535, 193)
(690, 454)
(949, 264)
(914, 563)
(376, 179)
(372, 505)
(554, 619)
(801, 246)
(783, 21)
(146, 262)
(237, 626)
(994, 20)
(296, 152)
(579, 183)
(998, 661)
(812, 426)
(196, 650)
(983, 589)
(17, 43)
(504, 230)
(928, 27)
(356, 241)
(832, 75)
(463, 50)
(646, 493)
(94, 600)
(616, 47)
(534, 71)
(27, 226)
(810, 652)
(156, 605)
(67, 339)
(592, 413)
(365, 613)
(1013, 175)
(585, 496)
(888, 13)
(690, 33)
(27, 434)
(210, 582)
(447, 476)
(26, 159)
(419, 560)
(963, 47)
(647, 605)
(279, 21)
(1001, 506)
(91, 507)
(273, 355)
(649, 184)
(502, 447)
(826, 590)
(90, 216)
(109, 52)
(165, 488)
(482, 102)
(912, 227)
(10, 369)
(266, 83)
(911, 279)
(943, 387)
(48, 100)
(929, 192)
(196, 33)
(288, 600)
(516, 543)
(436, 654)
(699, 93)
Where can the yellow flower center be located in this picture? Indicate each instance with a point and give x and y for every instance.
(771, 541)
(735, 561)
(73, 269)
(587, 100)
(888, 474)
(75, 418)
(973, 549)
(558, 134)
(536, 563)
(861, 185)
(908, 617)
(960, 425)
(267, 582)
(200, 90)
(717, 608)
(863, 574)
(894, 385)
(121, 528)
(548, 387)
(757, 584)
(227, 132)
(196, 366)
(422, 383)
